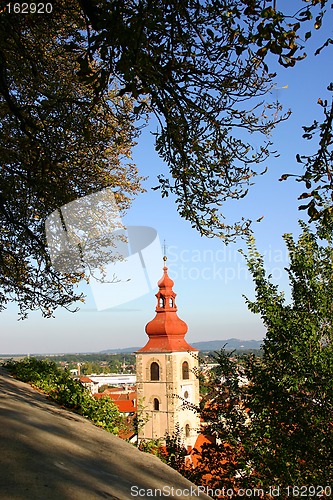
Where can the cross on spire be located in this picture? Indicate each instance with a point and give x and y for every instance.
(164, 250)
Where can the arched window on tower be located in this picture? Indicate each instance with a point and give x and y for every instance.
(185, 371)
(154, 371)
(156, 404)
(187, 430)
(161, 302)
(171, 302)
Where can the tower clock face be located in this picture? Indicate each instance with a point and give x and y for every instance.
(186, 391)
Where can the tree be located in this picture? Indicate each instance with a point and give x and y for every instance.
(317, 175)
(68, 392)
(223, 460)
(277, 429)
(58, 143)
(204, 66)
(292, 392)
(198, 64)
(76, 86)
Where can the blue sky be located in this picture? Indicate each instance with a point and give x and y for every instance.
(210, 278)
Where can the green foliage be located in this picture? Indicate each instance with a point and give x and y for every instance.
(300, 331)
(172, 452)
(77, 85)
(103, 388)
(175, 453)
(96, 362)
(317, 168)
(70, 393)
(89, 367)
(203, 65)
(58, 142)
(292, 394)
(270, 419)
(225, 424)
(152, 446)
(140, 419)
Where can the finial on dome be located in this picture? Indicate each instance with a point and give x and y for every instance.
(165, 258)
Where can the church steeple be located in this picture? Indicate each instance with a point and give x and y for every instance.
(166, 369)
(166, 331)
(165, 296)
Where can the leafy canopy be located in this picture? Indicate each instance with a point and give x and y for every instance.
(205, 67)
(60, 386)
(57, 143)
(271, 417)
(77, 85)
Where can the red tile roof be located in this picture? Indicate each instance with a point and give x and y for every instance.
(122, 396)
(166, 331)
(125, 405)
(128, 406)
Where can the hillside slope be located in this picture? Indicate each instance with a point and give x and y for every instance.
(50, 453)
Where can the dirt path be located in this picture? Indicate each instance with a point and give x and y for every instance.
(48, 453)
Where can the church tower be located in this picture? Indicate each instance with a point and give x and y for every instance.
(166, 373)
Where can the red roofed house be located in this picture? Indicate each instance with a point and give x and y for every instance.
(90, 384)
(165, 372)
(125, 401)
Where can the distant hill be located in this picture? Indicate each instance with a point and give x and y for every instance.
(212, 345)
(228, 344)
(120, 350)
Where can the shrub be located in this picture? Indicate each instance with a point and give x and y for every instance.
(59, 385)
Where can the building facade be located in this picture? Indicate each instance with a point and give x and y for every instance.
(167, 373)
